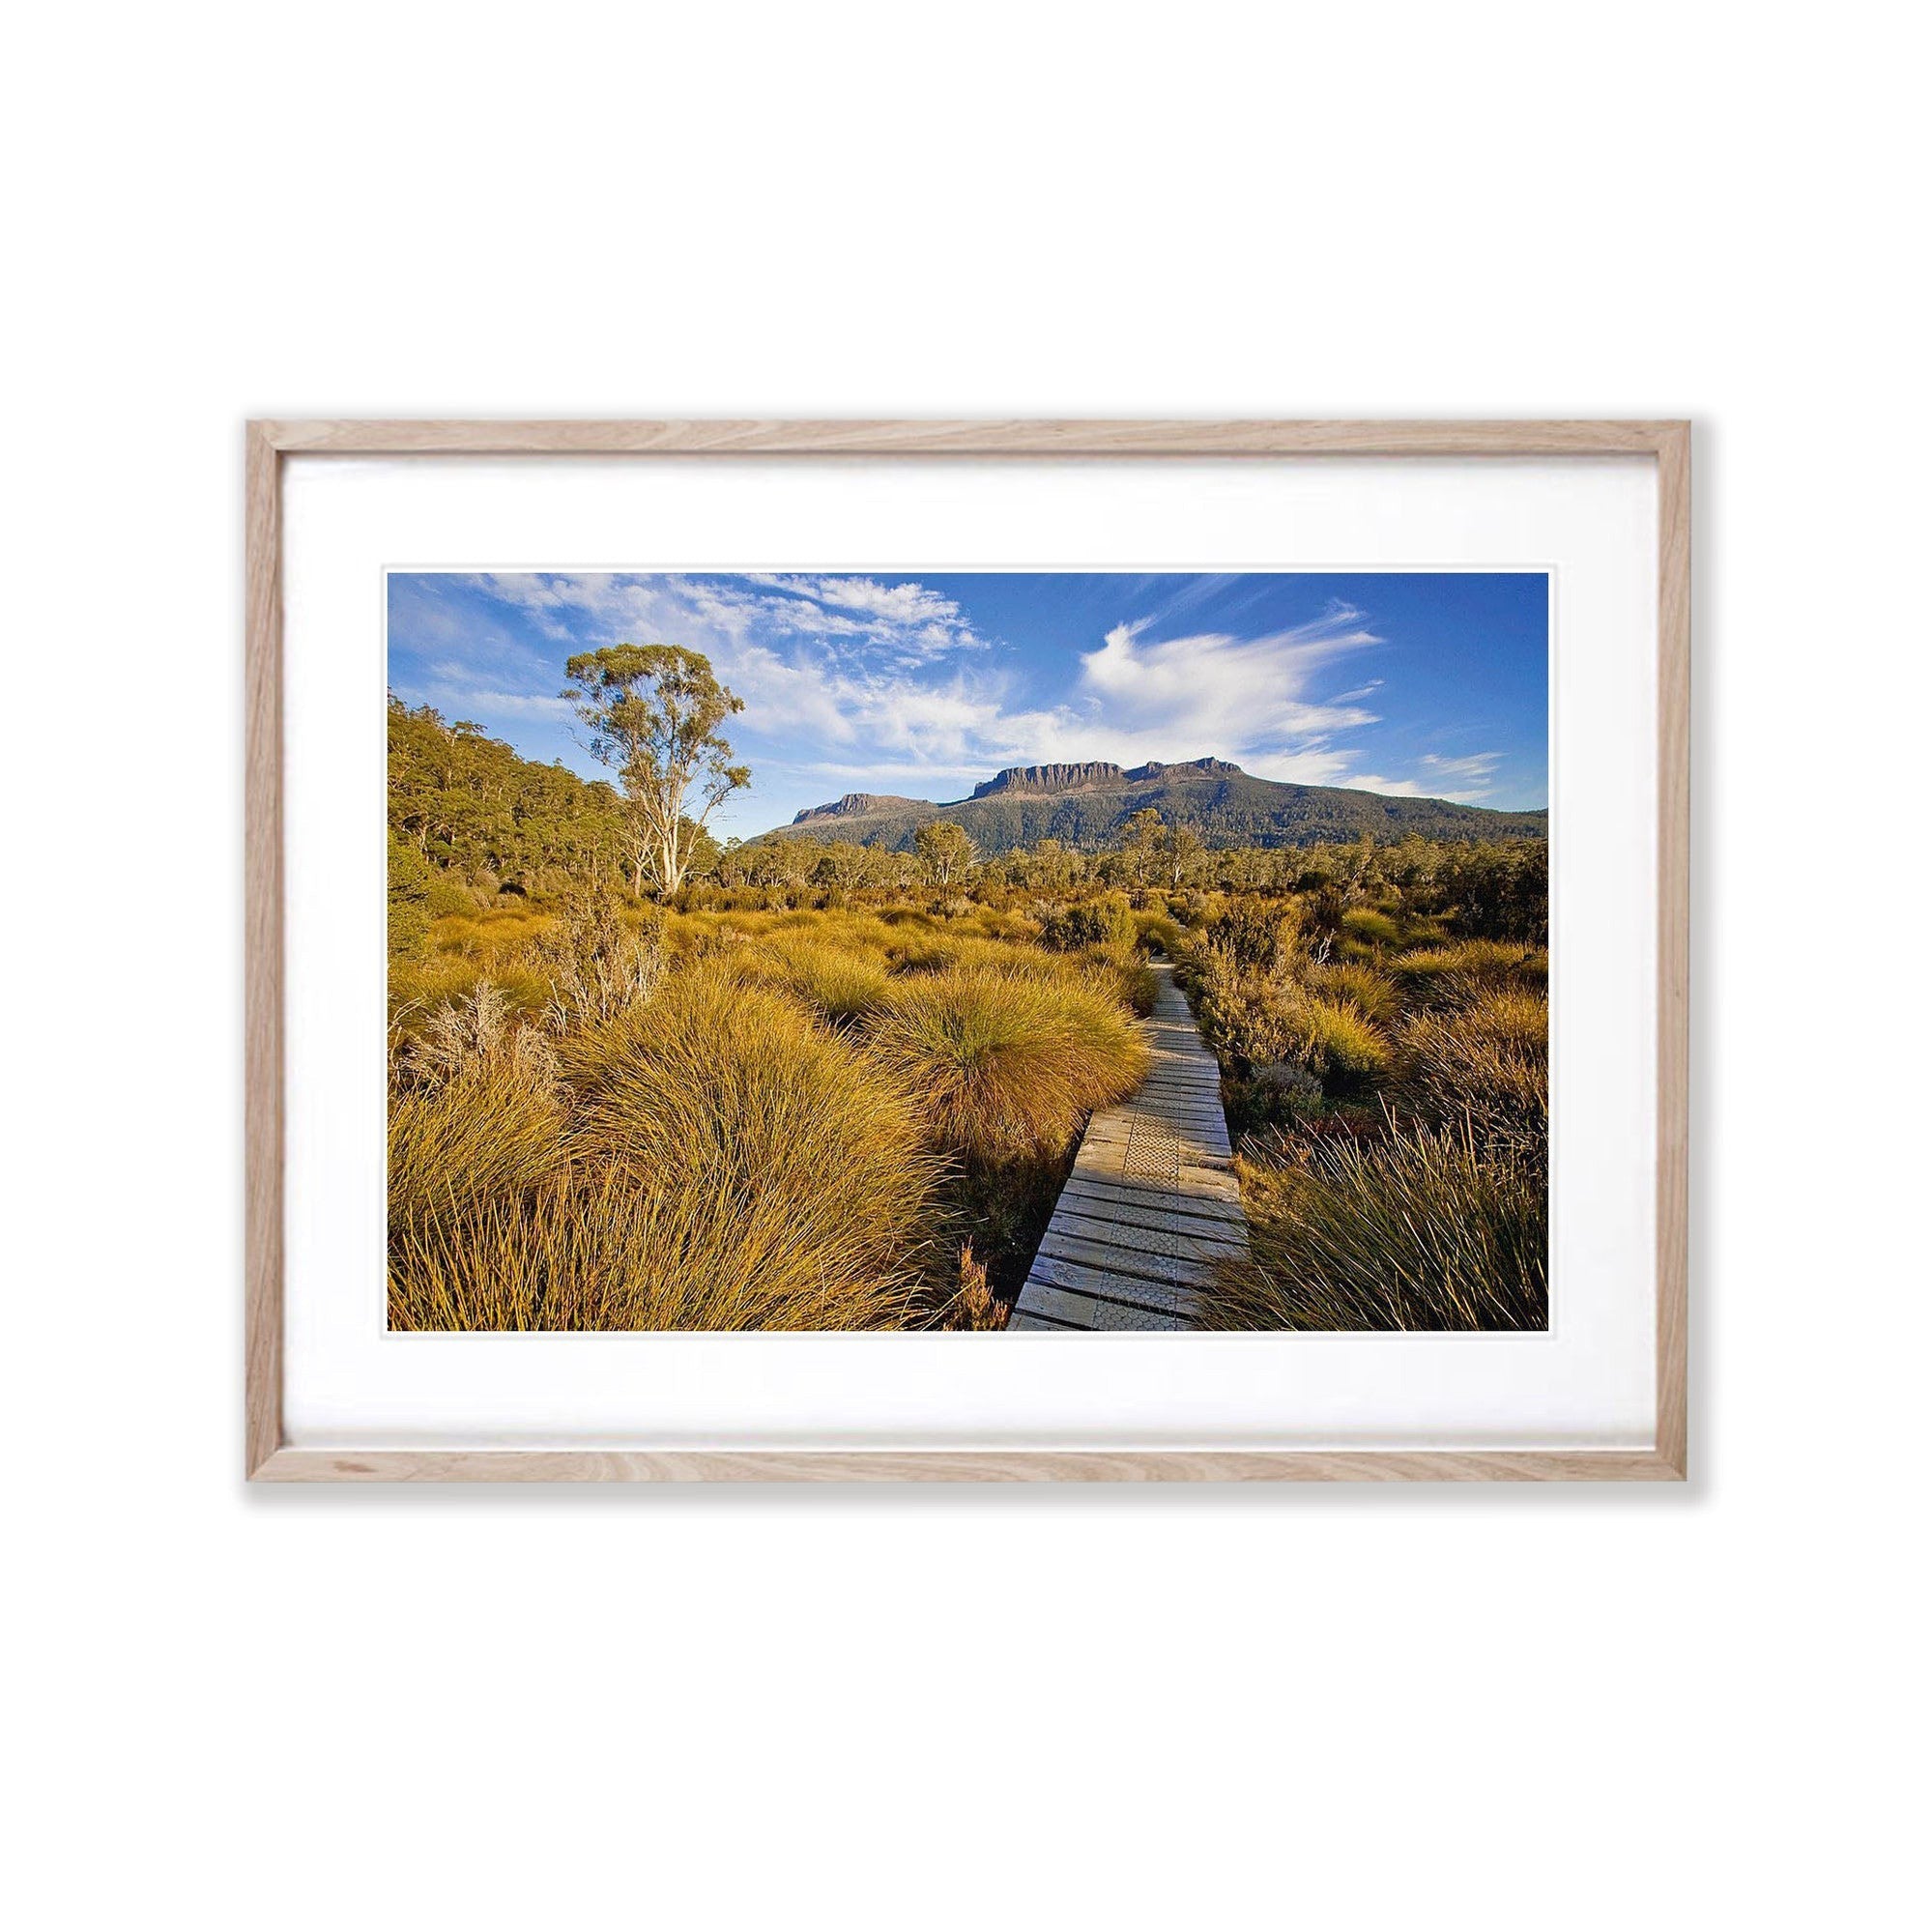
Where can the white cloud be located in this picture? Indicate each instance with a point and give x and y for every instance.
(854, 684)
(893, 603)
(1220, 691)
(1476, 769)
(1481, 765)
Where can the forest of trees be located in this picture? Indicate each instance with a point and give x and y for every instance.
(466, 803)
(464, 807)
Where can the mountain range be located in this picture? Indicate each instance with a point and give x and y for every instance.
(1086, 805)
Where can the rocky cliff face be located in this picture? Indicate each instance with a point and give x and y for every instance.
(1050, 778)
(1193, 767)
(1033, 780)
(857, 804)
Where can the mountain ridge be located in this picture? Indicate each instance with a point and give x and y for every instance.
(1086, 804)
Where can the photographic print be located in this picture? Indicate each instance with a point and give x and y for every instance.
(1044, 952)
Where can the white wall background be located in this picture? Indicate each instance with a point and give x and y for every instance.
(1381, 1709)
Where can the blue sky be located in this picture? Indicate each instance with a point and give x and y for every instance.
(1424, 684)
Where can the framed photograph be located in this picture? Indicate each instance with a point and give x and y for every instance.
(967, 951)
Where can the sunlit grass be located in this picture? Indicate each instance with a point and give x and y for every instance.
(1424, 1229)
(1487, 1058)
(1003, 1063)
(726, 1163)
(1440, 972)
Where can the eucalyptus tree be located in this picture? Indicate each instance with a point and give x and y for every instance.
(654, 712)
(945, 850)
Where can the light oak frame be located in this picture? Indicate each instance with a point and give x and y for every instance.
(270, 1459)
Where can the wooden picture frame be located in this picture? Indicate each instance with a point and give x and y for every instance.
(269, 1457)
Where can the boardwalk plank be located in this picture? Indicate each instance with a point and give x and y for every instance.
(1131, 1227)
(1173, 1260)
(1055, 1272)
(1083, 1194)
(1152, 1206)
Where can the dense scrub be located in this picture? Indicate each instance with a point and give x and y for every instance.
(1390, 1084)
(839, 1086)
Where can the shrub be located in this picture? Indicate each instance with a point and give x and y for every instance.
(1106, 921)
(1256, 935)
(1262, 1021)
(598, 963)
(976, 1305)
(1003, 1063)
(1424, 1229)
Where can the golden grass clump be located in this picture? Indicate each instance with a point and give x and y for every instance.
(1332, 1038)
(1424, 1229)
(1005, 1063)
(1156, 932)
(723, 1085)
(837, 985)
(1371, 927)
(727, 1163)
(1486, 1059)
(491, 1130)
(1372, 994)
(592, 1249)
(1444, 974)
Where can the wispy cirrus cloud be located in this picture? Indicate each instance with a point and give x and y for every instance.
(1468, 781)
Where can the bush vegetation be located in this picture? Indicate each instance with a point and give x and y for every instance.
(825, 1087)
(1389, 1081)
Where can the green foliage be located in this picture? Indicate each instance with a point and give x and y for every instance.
(1106, 922)
(946, 851)
(410, 877)
(469, 806)
(1370, 927)
(655, 713)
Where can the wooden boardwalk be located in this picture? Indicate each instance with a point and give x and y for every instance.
(1152, 1202)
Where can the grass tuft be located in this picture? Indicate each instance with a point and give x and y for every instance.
(1423, 1229)
(1005, 1063)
